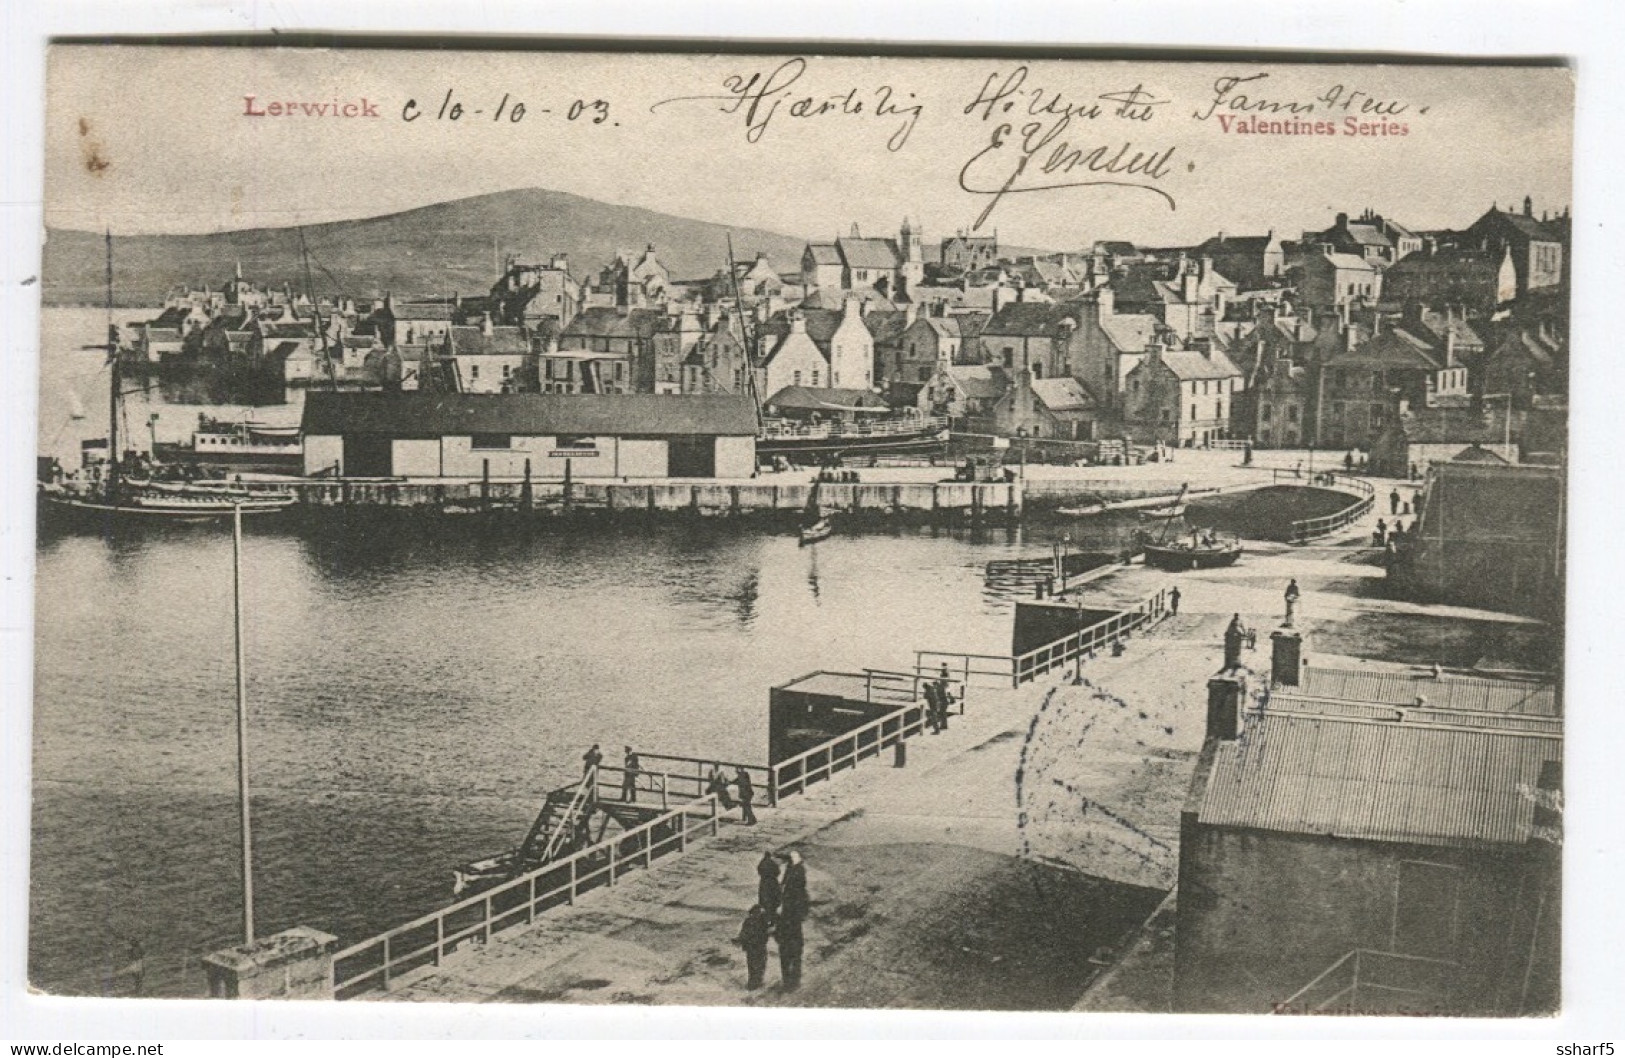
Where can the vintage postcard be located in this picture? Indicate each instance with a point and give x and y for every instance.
(968, 531)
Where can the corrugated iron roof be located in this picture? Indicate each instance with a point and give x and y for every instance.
(527, 414)
(1402, 782)
(1448, 692)
(1282, 701)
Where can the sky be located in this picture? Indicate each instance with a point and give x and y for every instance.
(165, 140)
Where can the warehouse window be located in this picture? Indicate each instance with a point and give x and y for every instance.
(491, 440)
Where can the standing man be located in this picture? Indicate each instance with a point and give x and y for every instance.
(747, 794)
(590, 760)
(768, 890)
(629, 776)
(1393, 501)
(1235, 634)
(793, 907)
(933, 707)
(945, 697)
(1173, 601)
(752, 937)
(1292, 595)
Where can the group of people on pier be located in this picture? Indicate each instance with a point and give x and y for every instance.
(779, 912)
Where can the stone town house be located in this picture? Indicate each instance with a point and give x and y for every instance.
(1181, 397)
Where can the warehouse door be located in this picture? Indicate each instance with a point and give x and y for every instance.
(367, 456)
(691, 457)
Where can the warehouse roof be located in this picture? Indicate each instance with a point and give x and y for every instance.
(533, 414)
(1399, 780)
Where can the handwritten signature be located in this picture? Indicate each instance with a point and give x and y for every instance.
(1017, 148)
(761, 98)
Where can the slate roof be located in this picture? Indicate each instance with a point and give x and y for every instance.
(421, 310)
(1025, 319)
(1188, 366)
(824, 253)
(1392, 347)
(821, 325)
(978, 381)
(502, 341)
(1348, 261)
(870, 253)
(532, 414)
(1130, 332)
(605, 322)
(1064, 394)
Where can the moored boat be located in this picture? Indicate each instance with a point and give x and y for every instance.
(1200, 552)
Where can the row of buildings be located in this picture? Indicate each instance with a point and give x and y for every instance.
(1333, 339)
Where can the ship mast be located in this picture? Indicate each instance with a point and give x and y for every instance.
(321, 334)
(744, 337)
(115, 380)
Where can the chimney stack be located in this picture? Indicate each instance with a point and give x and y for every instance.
(1225, 695)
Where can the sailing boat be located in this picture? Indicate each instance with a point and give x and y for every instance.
(116, 491)
(1205, 549)
(814, 525)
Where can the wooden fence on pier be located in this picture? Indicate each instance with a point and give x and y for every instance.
(427, 941)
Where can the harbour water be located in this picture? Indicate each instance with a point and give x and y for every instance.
(412, 695)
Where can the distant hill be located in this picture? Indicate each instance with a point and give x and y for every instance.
(433, 250)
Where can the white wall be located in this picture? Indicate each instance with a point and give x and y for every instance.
(736, 457)
(322, 452)
(460, 459)
(415, 458)
(642, 459)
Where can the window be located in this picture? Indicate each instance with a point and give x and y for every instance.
(1292, 413)
(1218, 409)
(474, 372)
(574, 441)
(815, 376)
(1264, 412)
(1038, 370)
(1193, 413)
(795, 378)
(491, 441)
(507, 372)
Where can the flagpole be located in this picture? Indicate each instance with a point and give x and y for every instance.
(242, 723)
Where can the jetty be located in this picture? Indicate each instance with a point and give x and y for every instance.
(1024, 858)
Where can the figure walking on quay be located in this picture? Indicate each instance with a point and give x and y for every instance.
(1173, 601)
(753, 935)
(1292, 595)
(945, 697)
(793, 906)
(630, 768)
(747, 795)
(1393, 501)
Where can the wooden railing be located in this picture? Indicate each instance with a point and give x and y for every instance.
(1007, 671)
(1307, 529)
(1086, 641)
(674, 776)
(820, 763)
(427, 941)
(1370, 981)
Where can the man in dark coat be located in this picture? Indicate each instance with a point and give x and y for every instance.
(1173, 601)
(1393, 501)
(752, 938)
(1235, 634)
(933, 707)
(629, 776)
(747, 794)
(768, 889)
(792, 912)
(591, 759)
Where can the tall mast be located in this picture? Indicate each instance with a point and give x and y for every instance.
(316, 313)
(744, 336)
(115, 381)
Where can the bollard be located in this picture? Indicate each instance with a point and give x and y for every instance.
(899, 753)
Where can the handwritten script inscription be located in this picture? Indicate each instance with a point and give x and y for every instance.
(762, 99)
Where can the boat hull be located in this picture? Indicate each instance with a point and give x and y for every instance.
(855, 444)
(1184, 558)
(100, 512)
